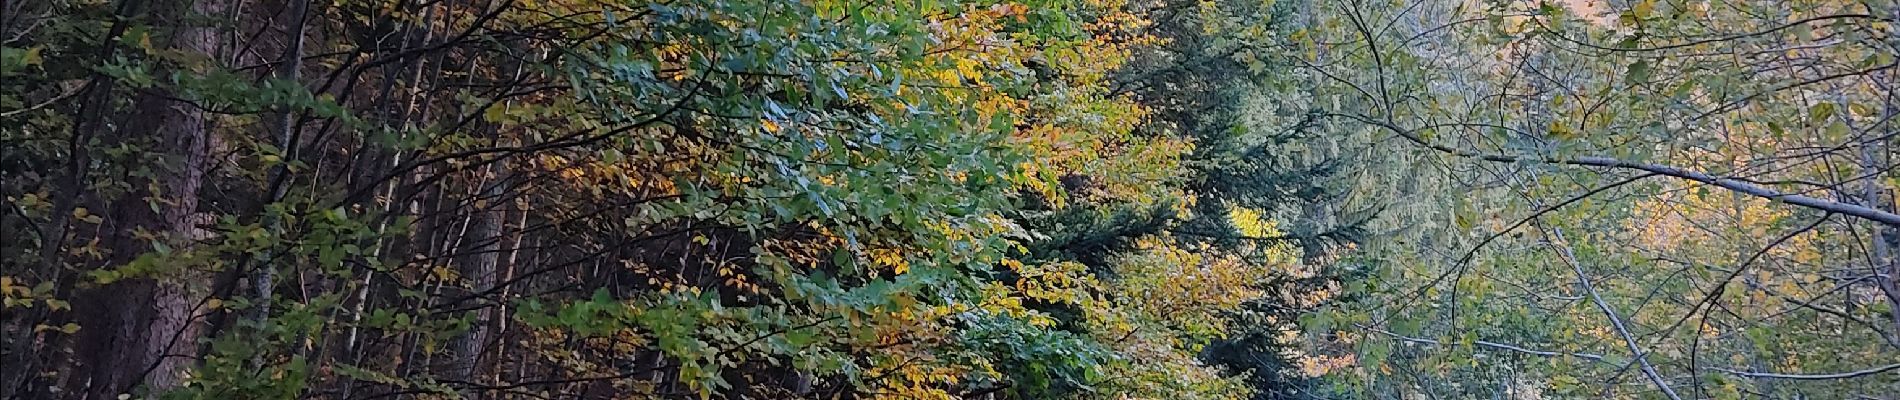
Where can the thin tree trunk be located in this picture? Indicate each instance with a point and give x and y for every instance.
(1875, 156)
(290, 70)
(1876, 196)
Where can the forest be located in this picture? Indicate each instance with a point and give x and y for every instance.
(949, 199)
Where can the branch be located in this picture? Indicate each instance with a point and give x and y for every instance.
(1495, 345)
(48, 102)
(1694, 43)
(1709, 298)
(1732, 184)
(1564, 253)
(1334, 234)
(1816, 377)
(1458, 268)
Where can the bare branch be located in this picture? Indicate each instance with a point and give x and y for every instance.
(1495, 345)
(1732, 184)
(1636, 351)
(1813, 377)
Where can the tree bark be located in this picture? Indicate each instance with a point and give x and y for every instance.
(290, 69)
(134, 326)
(481, 251)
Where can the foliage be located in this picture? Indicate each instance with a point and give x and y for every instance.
(580, 198)
(938, 199)
(1625, 199)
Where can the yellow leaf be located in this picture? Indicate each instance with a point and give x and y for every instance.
(1561, 131)
(1643, 9)
(33, 55)
(769, 125)
(495, 114)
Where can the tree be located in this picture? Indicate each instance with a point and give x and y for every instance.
(1647, 194)
(572, 198)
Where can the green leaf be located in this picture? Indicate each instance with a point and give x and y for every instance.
(1820, 112)
(1637, 71)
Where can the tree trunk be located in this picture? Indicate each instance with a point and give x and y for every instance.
(1876, 156)
(1884, 264)
(290, 69)
(481, 251)
(134, 326)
